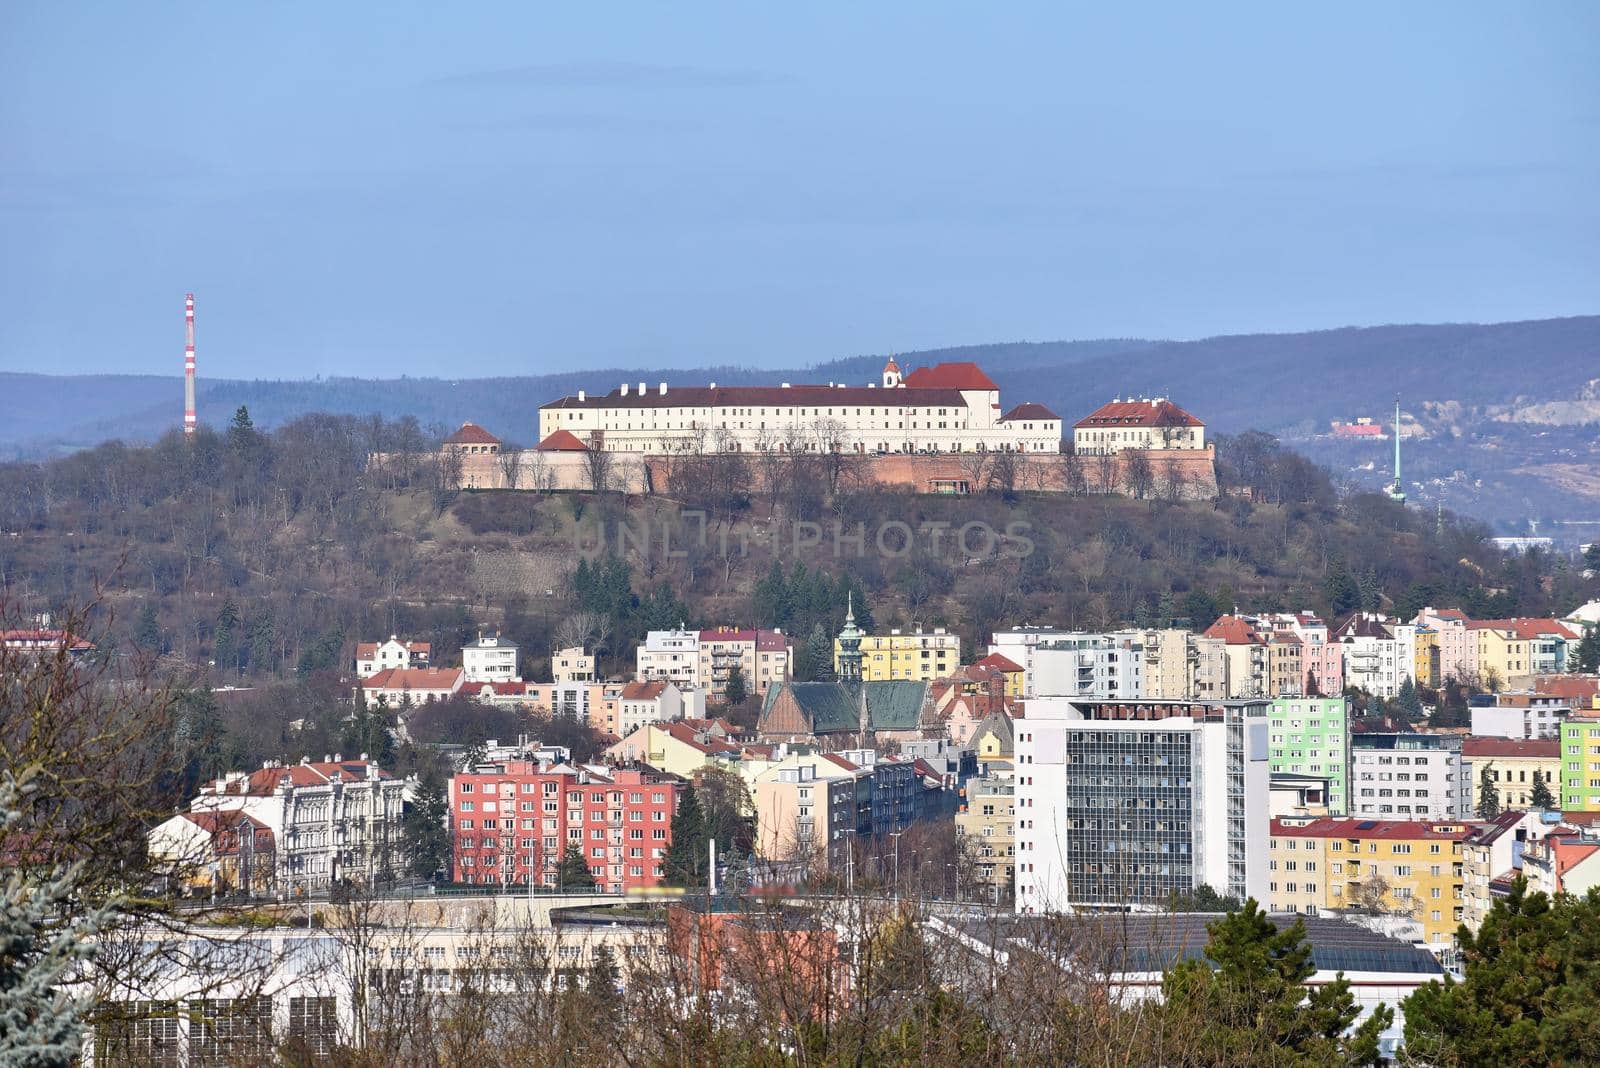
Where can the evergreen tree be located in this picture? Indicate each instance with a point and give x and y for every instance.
(819, 654)
(1540, 796)
(604, 982)
(573, 872)
(686, 855)
(733, 690)
(241, 419)
(224, 645)
(1340, 589)
(1587, 656)
(147, 632)
(426, 832)
(1247, 1003)
(1488, 794)
(41, 1026)
(1409, 702)
(1531, 994)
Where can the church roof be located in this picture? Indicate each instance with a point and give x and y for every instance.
(830, 707)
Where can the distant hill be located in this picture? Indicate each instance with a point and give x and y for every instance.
(1490, 399)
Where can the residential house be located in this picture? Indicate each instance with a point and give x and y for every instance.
(763, 658)
(1565, 861)
(1373, 659)
(1458, 647)
(216, 852)
(1580, 762)
(1491, 854)
(1142, 423)
(572, 664)
(1523, 714)
(373, 657)
(673, 655)
(1311, 736)
(679, 748)
(398, 687)
(490, 659)
(986, 831)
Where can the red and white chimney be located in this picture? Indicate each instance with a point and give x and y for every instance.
(188, 363)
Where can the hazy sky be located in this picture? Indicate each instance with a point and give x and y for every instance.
(468, 189)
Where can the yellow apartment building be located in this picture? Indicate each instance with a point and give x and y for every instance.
(1404, 867)
(919, 655)
(1513, 764)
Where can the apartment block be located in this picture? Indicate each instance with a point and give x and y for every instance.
(918, 655)
(1311, 736)
(1408, 776)
(490, 659)
(573, 664)
(1086, 665)
(1580, 763)
(1407, 867)
(1523, 716)
(511, 822)
(986, 830)
(1126, 803)
(331, 820)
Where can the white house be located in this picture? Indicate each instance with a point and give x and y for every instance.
(491, 659)
(373, 657)
(397, 687)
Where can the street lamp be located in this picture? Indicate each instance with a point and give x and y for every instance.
(896, 836)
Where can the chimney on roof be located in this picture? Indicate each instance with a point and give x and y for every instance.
(641, 389)
(713, 385)
(581, 396)
(624, 389)
(663, 389)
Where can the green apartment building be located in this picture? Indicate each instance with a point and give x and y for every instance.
(1580, 764)
(1311, 736)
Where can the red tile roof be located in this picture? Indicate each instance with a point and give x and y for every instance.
(1151, 413)
(773, 397)
(35, 638)
(766, 640)
(998, 661)
(502, 689)
(643, 691)
(1332, 827)
(225, 829)
(1028, 410)
(1234, 631)
(561, 441)
(1538, 748)
(471, 434)
(1584, 687)
(369, 650)
(430, 678)
(960, 374)
(1527, 629)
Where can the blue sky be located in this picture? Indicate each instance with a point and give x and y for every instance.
(517, 188)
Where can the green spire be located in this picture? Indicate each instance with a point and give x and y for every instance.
(850, 645)
(1396, 492)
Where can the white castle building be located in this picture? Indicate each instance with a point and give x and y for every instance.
(949, 407)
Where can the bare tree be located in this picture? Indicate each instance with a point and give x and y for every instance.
(1138, 473)
(1003, 473)
(598, 464)
(1074, 479)
(511, 466)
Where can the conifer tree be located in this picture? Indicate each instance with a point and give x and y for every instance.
(426, 833)
(686, 855)
(1488, 794)
(573, 872)
(1540, 796)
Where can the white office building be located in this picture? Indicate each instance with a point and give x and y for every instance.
(1122, 804)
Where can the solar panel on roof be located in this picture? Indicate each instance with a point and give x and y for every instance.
(1366, 825)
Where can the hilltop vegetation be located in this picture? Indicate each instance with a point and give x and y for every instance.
(249, 555)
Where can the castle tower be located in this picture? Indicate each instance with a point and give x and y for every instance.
(891, 375)
(1396, 491)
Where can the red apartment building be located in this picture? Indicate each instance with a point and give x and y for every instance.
(517, 817)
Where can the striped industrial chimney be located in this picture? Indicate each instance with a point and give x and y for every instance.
(188, 363)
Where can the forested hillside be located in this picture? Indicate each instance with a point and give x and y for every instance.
(255, 554)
